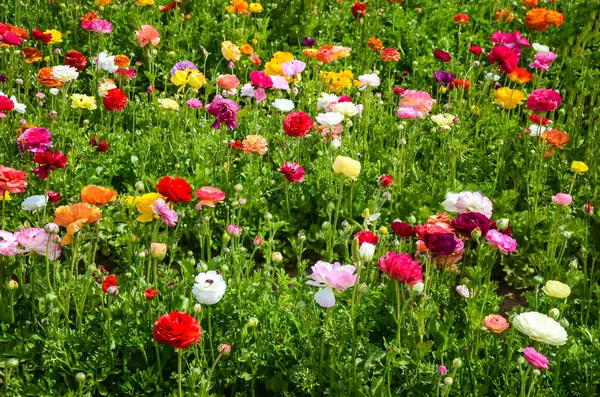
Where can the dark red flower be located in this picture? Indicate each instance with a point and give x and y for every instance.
(442, 55)
(465, 223)
(385, 181)
(401, 267)
(293, 172)
(358, 10)
(76, 60)
(475, 49)
(115, 99)
(177, 190)
(100, 144)
(235, 144)
(177, 329)
(537, 119)
(49, 161)
(504, 57)
(150, 293)
(53, 197)
(39, 35)
(440, 243)
(403, 229)
(110, 281)
(366, 237)
(297, 124)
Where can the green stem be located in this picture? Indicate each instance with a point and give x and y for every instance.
(179, 352)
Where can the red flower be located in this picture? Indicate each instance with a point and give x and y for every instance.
(101, 146)
(6, 105)
(442, 55)
(366, 237)
(403, 229)
(504, 57)
(177, 329)
(458, 83)
(11, 180)
(385, 181)
(536, 119)
(115, 99)
(39, 35)
(49, 161)
(53, 197)
(461, 19)
(359, 10)
(390, 55)
(293, 172)
(110, 281)
(401, 267)
(177, 190)
(235, 144)
(475, 49)
(150, 293)
(297, 124)
(75, 60)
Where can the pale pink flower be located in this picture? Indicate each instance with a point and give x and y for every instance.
(280, 83)
(468, 202)
(420, 101)
(8, 243)
(534, 358)
(463, 290)
(331, 277)
(502, 242)
(562, 199)
(162, 209)
(292, 68)
(36, 240)
(147, 34)
(408, 113)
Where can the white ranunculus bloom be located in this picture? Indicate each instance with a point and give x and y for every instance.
(209, 287)
(325, 99)
(247, 90)
(536, 129)
(366, 252)
(19, 107)
(330, 118)
(540, 328)
(64, 74)
(450, 203)
(105, 62)
(285, 105)
(537, 47)
(348, 109)
(35, 203)
(368, 80)
(474, 202)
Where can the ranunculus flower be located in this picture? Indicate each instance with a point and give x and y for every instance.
(48, 162)
(366, 237)
(109, 282)
(34, 203)
(284, 105)
(225, 111)
(390, 55)
(562, 199)
(442, 55)
(440, 243)
(11, 180)
(6, 105)
(97, 26)
(350, 168)
(297, 124)
(143, 205)
(468, 202)
(98, 195)
(475, 49)
(496, 323)
(403, 229)
(150, 293)
(293, 172)
(508, 98)
(255, 143)
(385, 181)
(579, 167)
(504, 57)
(39, 241)
(465, 223)
(401, 267)
(209, 287)
(501, 241)
(74, 217)
(540, 328)
(209, 196)
(230, 51)
(537, 360)
(8, 243)
(158, 250)
(556, 289)
(419, 101)
(260, 79)
(35, 140)
(543, 100)
(177, 329)
(228, 81)
(147, 34)
(176, 189)
(331, 277)
(329, 119)
(115, 99)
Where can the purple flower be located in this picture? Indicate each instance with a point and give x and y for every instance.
(3, 78)
(444, 78)
(183, 65)
(308, 41)
(168, 216)
(465, 223)
(225, 111)
(35, 140)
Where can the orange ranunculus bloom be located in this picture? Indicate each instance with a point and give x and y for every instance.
(310, 52)
(375, 44)
(122, 61)
(504, 15)
(540, 19)
(556, 138)
(530, 3)
(45, 78)
(100, 3)
(22, 33)
(97, 195)
(555, 18)
(90, 16)
(246, 49)
(32, 55)
(520, 76)
(74, 217)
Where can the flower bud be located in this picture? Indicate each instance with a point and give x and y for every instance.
(79, 377)
(301, 236)
(442, 370)
(224, 349)
(387, 196)
(366, 251)
(345, 224)
(539, 280)
(476, 234)
(197, 308)
(554, 313)
(13, 285)
(502, 224)
(253, 322)
(448, 381)
(564, 322)
(51, 228)
(566, 235)
(224, 269)
(456, 363)
(588, 209)
(112, 291)
(268, 216)
(412, 220)
(158, 250)
(363, 288)
(277, 257)
(139, 185)
(536, 372)
(326, 225)
(238, 188)
(12, 362)
(383, 230)
(258, 241)
(234, 231)
(417, 288)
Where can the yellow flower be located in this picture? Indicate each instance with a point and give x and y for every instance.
(255, 7)
(273, 67)
(579, 167)
(145, 2)
(348, 167)
(196, 79)
(190, 77)
(556, 289)
(56, 36)
(168, 104)
(507, 98)
(80, 101)
(383, 230)
(475, 110)
(6, 196)
(338, 81)
(230, 51)
(143, 205)
(443, 120)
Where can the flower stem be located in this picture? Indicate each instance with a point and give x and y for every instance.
(179, 352)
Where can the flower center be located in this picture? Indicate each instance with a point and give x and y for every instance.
(210, 282)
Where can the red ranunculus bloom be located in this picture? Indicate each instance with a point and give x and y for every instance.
(359, 10)
(49, 161)
(440, 243)
(366, 237)
(293, 172)
(235, 144)
(385, 181)
(177, 329)
(475, 49)
(6, 105)
(110, 281)
(115, 99)
(536, 119)
(390, 55)
(39, 35)
(403, 229)
(75, 60)
(150, 293)
(461, 19)
(99, 144)
(53, 197)
(177, 190)
(465, 223)
(401, 267)
(297, 124)
(504, 57)
(442, 55)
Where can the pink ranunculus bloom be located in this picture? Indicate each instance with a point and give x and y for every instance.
(10, 38)
(506, 58)
(420, 101)
(502, 242)
(407, 113)
(514, 40)
(194, 103)
(97, 26)
(401, 267)
(293, 68)
(11, 180)
(260, 95)
(168, 216)
(228, 81)
(468, 202)
(545, 57)
(36, 240)
(209, 196)
(147, 34)
(293, 172)
(35, 140)
(541, 66)
(534, 358)
(331, 277)
(562, 199)
(543, 100)
(261, 79)
(8, 243)
(280, 83)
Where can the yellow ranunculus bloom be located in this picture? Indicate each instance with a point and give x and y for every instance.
(348, 167)
(273, 67)
(80, 101)
(143, 205)
(56, 36)
(196, 79)
(145, 2)
(255, 7)
(475, 110)
(230, 51)
(6, 196)
(168, 104)
(443, 120)
(507, 98)
(556, 289)
(189, 77)
(579, 167)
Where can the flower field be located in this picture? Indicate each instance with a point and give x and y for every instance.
(296, 198)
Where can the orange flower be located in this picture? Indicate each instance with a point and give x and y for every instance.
(255, 143)
(530, 3)
(74, 217)
(90, 16)
(97, 195)
(310, 52)
(45, 78)
(239, 6)
(556, 138)
(503, 15)
(246, 49)
(22, 33)
(100, 3)
(540, 19)
(520, 76)
(32, 55)
(555, 18)
(122, 61)
(375, 44)
(439, 219)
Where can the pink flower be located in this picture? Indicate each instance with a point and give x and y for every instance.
(97, 26)
(407, 113)
(147, 34)
(331, 277)
(543, 100)
(506, 59)
(162, 209)
(401, 267)
(280, 83)
(194, 103)
(208, 196)
(514, 41)
(293, 68)
(260, 95)
(534, 358)
(234, 230)
(543, 60)
(293, 172)
(502, 242)
(260, 79)
(562, 199)
(38, 241)
(419, 101)
(35, 140)
(8, 243)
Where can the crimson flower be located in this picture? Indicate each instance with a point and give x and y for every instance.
(49, 161)
(109, 282)
(293, 172)
(177, 329)
(403, 229)
(115, 99)
(177, 190)
(401, 267)
(385, 181)
(99, 144)
(366, 237)
(297, 124)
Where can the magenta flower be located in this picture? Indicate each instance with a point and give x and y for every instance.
(35, 140)
(502, 242)
(331, 277)
(543, 100)
(543, 60)
(401, 267)
(36, 240)
(514, 41)
(260, 79)
(442, 55)
(225, 111)
(97, 26)
(293, 172)
(8, 243)
(194, 103)
(534, 358)
(168, 216)
(562, 199)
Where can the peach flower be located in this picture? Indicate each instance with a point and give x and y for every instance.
(74, 217)
(255, 143)
(93, 194)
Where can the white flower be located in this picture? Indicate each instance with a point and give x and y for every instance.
(348, 109)
(54, 91)
(64, 74)
(247, 90)
(325, 99)
(285, 105)
(468, 202)
(492, 76)
(463, 290)
(450, 203)
(443, 120)
(330, 118)
(540, 328)
(105, 86)
(335, 143)
(209, 287)
(366, 252)
(537, 47)
(417, 288)
(19, 107)
(34, 203)
(105, 62)
(536, 129)
(368, 80)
